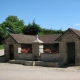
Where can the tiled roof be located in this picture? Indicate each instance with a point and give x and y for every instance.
(77, 32)
(23, 38)
(45, 38)
(30, 38)
(49, 38)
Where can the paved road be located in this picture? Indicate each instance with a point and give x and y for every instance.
(21, 72)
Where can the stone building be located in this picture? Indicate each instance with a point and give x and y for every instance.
(63, 48)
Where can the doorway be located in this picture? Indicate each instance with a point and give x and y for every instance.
(71, 53)
(11, 52)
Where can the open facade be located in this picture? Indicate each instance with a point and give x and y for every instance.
(63, 48)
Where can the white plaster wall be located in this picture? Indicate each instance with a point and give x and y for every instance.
(41, 49)
(51, 57)
(19, 48)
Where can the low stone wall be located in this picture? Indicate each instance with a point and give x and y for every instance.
(37, 63)
(2, 59)
(27, 57)
(51, 57)
(77, 60)
(47, 64)
(28, 63)
(16, 61)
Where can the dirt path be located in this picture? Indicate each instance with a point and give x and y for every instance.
(21, 72)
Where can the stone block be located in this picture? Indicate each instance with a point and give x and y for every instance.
(28, 63)
(16, 61)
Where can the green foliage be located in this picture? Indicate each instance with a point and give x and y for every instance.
(13, 25)
(1, 31)
(4, 29)
(1, 46)
(2, 34)
(31, 29)
(50, 31)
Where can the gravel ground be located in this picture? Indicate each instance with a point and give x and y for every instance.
(20, 72)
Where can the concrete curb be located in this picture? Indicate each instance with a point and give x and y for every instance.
(37, 63)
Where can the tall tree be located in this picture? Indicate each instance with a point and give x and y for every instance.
(13, 24)
(31, 29)
(1, 34)
(50, 31)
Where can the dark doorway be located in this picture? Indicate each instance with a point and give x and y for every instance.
(11, 51)
(71, 53)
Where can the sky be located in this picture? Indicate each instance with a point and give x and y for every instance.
(49, 14)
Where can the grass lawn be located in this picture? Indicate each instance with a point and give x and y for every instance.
(1, 46)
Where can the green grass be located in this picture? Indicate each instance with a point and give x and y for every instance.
(1, 46)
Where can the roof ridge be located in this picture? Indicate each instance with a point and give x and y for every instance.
(77, 32)
(21, 34)
(74, 29)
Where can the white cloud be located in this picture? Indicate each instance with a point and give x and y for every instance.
(78, 24)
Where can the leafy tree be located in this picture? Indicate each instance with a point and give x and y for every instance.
(31, 29)
(13, 24)
(1, 34)
(50, 31)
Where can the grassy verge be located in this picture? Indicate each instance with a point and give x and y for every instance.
(1, 46)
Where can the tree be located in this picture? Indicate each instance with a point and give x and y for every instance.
(13, 25)
(31, 29)
(50, 31)
(1, 34)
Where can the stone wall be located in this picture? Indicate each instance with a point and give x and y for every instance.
(37, 49)
(10, 41)
(27, 57)
(2, 59)
(51, 57)
(68, 37)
